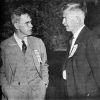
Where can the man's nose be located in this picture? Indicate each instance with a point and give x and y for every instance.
(30, 25)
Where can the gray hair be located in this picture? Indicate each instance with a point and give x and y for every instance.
(75, 6)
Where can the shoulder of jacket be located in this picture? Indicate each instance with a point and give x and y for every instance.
(34, 38)
(4, 43)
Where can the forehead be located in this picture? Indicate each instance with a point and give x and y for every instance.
(25, 18)
(69, 14)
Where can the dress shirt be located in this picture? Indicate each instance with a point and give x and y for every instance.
(19, 41)
(75, 36)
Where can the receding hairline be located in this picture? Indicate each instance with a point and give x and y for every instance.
(74, 10)
(15, 18)
(74, 7)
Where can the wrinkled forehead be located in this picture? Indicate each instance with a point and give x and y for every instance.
(72, 13)
(25, 18)
(67, 13)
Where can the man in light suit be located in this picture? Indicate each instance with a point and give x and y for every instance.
(82, 68)
(24, 73)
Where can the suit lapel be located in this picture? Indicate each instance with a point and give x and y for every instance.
(78, 41)
(34, 50)
(13, 53)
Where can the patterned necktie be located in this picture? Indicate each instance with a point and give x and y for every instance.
(24, 47)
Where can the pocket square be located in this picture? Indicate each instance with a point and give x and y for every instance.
(73, 50)
(64, 75)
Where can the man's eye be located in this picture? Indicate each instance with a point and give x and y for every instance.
(28, 23)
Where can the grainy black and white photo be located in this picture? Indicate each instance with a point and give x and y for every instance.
(50, 50)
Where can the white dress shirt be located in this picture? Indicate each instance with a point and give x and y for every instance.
(75, 36)
(19, 41)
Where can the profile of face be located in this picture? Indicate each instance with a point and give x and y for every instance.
(24, 25)
(69, 21)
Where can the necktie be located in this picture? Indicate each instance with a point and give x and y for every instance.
(24, 47)
(71, 41)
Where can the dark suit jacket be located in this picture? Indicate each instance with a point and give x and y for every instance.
(83, 68)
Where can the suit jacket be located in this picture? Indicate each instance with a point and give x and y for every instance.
(12, 57)
(83, 65)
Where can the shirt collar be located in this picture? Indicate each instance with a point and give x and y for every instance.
(18, 40)
(78, 32)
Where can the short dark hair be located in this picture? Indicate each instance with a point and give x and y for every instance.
(16, 13)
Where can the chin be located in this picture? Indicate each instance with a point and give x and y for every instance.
(67, 30)
(29, 33)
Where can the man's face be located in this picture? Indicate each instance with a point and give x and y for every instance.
(25, 26)
(69, 21)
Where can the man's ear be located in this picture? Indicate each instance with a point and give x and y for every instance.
(16, 25)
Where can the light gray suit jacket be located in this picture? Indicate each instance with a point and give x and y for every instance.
(12, 56)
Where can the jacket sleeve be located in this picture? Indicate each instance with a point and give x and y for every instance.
(5, 71)
(93, 57)
(44, 65)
